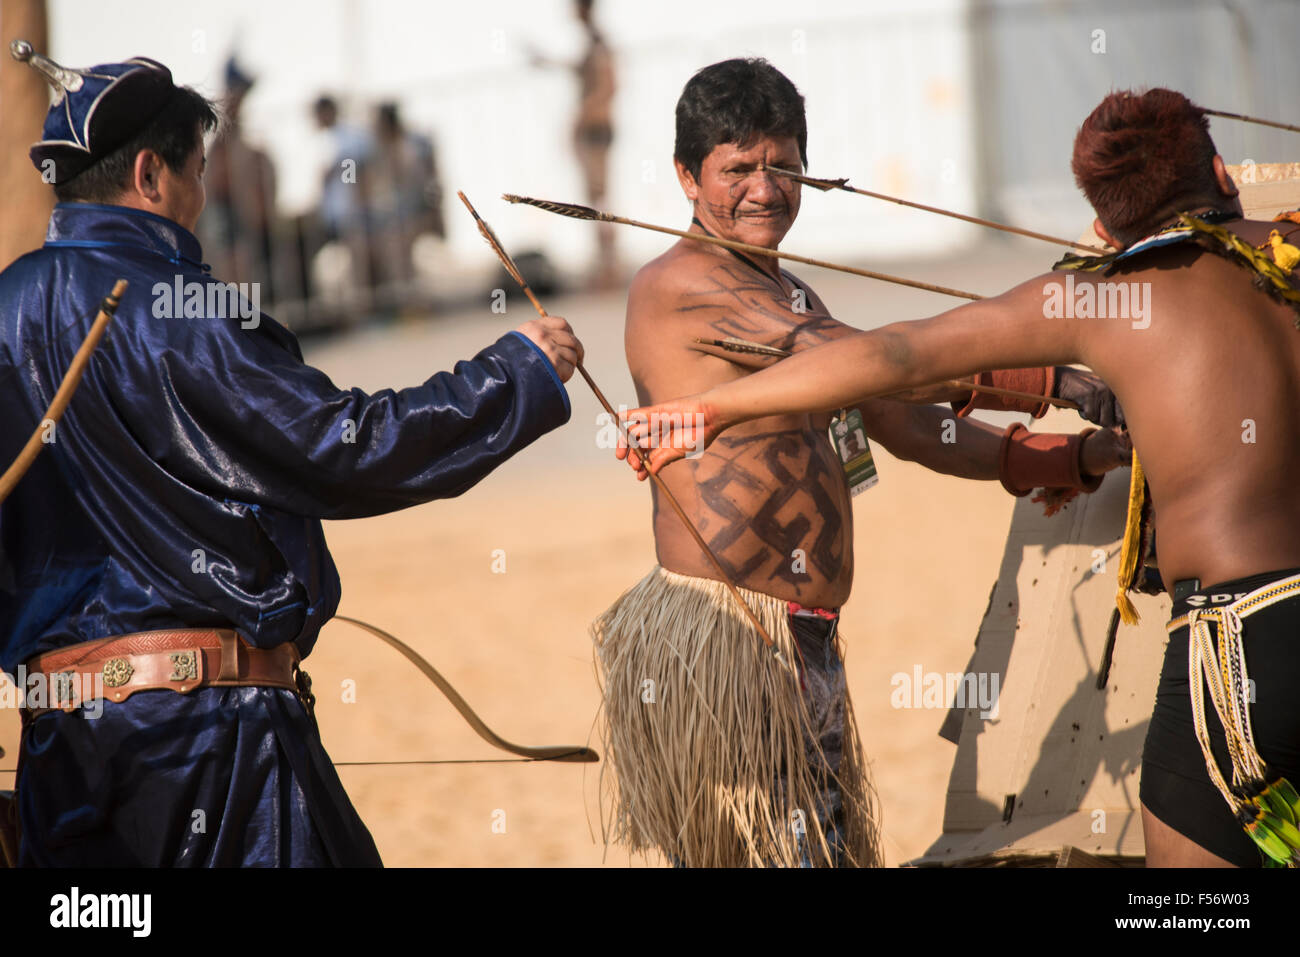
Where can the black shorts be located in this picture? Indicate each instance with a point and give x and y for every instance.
(1176, 786)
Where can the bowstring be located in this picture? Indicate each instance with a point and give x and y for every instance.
(361, 764)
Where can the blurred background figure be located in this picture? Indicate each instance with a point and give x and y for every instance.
(237, 229)
(405, 197)
(344, 203)
(593, 131)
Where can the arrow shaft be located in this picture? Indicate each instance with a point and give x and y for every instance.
(1254, 119)
(793, 257)
(843, 185)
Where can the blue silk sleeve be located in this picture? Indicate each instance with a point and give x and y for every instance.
(241, 416)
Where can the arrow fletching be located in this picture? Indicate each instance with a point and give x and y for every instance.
(732, 344)
(572, 210)
(822, 184)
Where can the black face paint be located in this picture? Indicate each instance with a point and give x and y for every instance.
(722, 212)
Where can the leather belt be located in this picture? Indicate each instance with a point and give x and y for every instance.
(179, 659)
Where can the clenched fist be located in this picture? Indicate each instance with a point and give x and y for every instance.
(1096, 402)
(1104, 450)
(554, 336)
(667, 432)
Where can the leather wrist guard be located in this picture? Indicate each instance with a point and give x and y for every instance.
(1040, 381)
(1029, 460)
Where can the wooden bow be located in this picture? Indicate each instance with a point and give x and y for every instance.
(571, 753)
(568, 753)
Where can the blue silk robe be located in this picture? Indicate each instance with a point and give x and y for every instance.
(185, 487)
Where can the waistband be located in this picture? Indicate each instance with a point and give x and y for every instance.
(801, 611)
(182, 660)
(793, 608)
(1243, 596)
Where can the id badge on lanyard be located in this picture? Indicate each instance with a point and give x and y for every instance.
(850, 441)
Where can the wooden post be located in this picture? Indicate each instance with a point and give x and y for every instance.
(24, 100)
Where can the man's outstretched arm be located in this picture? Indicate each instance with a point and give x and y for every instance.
(1009, 331)
(239, 415)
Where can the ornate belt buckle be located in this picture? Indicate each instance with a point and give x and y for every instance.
(117, 672)
(185, 666)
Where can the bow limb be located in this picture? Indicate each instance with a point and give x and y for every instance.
(71, 379)
(566, 753)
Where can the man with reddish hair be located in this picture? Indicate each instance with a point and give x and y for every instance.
(1138, 158)
(1208, 372)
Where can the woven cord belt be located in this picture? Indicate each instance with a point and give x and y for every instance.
(182, 660)
(1267, 807)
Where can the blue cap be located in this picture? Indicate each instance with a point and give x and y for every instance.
(95, 110)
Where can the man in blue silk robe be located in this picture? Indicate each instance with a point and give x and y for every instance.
(182, 495)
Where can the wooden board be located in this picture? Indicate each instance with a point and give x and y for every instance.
(1058, 764)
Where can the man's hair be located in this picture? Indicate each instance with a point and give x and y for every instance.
(737, 101)
(1138, 155)
(173, 134)
(388, 114)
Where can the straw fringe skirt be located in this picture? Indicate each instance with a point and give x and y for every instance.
(710, 757)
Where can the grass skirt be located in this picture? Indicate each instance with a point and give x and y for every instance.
(709, 753)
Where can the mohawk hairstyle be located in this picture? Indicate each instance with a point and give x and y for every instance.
(737, 101)
(1137, 155)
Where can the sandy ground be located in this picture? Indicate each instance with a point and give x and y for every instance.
(515, 644)
(573, 527)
